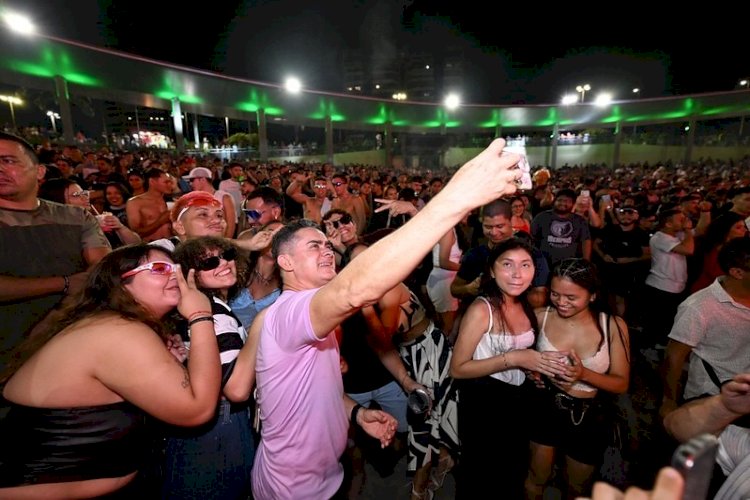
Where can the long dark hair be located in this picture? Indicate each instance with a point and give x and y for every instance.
(489, 289)
(54, 189)
(717, 231)
(584, 274)
(103, 293)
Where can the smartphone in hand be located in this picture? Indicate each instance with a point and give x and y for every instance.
(695, 461)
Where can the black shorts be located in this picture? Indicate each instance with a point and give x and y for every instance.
(578, 427)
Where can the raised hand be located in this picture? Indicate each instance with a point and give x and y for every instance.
(487, 177)
(396, 207)
(192, 300)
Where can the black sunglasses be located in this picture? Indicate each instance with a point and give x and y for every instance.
(345, 219)
(213, 262)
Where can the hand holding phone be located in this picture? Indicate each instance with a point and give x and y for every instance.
(695, 461)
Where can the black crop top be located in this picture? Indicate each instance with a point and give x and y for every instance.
(43, 445)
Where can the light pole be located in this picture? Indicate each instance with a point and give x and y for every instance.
(11, 100)
(637, 94)
(582, 89)
(53, 118)
(744, 83)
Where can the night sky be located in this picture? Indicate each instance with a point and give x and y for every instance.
(267, 40)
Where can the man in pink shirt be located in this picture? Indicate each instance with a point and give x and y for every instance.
(303, 408)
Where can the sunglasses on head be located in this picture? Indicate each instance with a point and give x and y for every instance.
(156, 267)
(345, 219)
(213, 262)
(254, 214)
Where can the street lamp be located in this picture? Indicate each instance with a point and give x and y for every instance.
(744, 83)
(11, 100)
(582, 89)
(53, 117)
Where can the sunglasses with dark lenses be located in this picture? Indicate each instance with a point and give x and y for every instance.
(156, 267)
(627, 210)
(345, 219)
(254, 214)
(338, 183)
(213, 262)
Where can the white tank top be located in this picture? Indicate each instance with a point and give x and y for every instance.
(496, 343)
(455, 255)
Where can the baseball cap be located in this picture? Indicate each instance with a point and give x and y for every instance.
(199, 172)
(192, 199)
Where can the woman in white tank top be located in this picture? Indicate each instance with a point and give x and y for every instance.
(567, 416)
(493, 352)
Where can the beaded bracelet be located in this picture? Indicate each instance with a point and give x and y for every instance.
(198, 320)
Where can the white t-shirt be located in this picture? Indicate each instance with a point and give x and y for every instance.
(668, 269)
(718, 329)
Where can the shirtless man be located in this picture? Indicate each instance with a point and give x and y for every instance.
(315, 207)
(348, 202)
(147, 213)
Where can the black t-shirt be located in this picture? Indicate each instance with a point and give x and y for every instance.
(619, 243)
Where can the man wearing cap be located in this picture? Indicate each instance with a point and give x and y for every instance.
(200, 180)
(148, 214)
(197, 214)
(45, 247)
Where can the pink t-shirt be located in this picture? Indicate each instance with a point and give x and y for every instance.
(300, 395)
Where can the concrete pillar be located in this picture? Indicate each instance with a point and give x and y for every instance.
(179, 134)
(262, 135)
(63, 98)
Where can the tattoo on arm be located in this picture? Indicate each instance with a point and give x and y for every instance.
(186, 380)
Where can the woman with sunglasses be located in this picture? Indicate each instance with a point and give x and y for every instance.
(68, 192)
(79, 388)
(341, 230)
(215, 459)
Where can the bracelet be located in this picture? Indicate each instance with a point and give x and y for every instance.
(66, 287)
(355, 411)
(505, 362)
(198, 320)
(199, 313)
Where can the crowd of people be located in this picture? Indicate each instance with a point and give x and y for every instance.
(176, 328)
